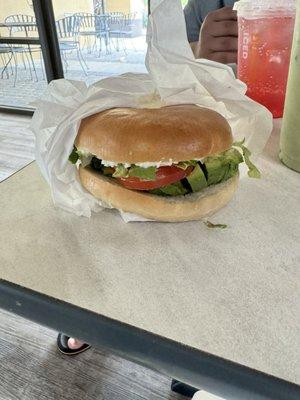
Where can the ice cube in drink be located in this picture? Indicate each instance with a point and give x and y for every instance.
(264, 57)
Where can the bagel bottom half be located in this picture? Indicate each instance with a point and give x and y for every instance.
(190, 207)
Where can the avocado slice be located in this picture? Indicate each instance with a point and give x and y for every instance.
(197, 179)
(215, 171)
(176, 189)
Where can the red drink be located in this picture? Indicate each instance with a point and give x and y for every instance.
(263, 58)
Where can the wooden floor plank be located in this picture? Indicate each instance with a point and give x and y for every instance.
(16, 144)
(31, 368)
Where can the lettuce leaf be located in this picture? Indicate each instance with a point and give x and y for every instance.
(147, 174)
(232, 169)
(253, 171)
(211, 225)
(212, 170)
(233, 155)
(73, 157)
(85, 158)
(76, 155)
(185, 164)
(120, 171)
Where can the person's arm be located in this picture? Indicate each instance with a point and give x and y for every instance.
(215, 37)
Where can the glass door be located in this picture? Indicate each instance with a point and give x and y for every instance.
(101, 38)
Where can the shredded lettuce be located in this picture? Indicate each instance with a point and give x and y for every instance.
(120, 171)
(185, 164)
(232, 155)
(212, 170)
(85, 158)
(231, 170)
(73, 157)
(211, 225)
(253, 171)
(147, 174)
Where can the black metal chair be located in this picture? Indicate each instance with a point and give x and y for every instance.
(88, 30)
(6, 55)
(99, 8)
(68, 29)
(25, 50)
(183, 389)
(94, 25)
(115, 14)
(22, 18)
(122, 27)
(102, 28)
(9, 57)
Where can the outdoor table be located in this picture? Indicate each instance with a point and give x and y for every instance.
(18, 24)
(215, 308)
(19, 39)
(11, 40)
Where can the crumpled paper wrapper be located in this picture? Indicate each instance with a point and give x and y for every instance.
(175, 77)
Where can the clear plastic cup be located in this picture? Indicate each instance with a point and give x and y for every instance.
(265, 40)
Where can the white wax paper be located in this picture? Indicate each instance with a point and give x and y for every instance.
(175, 77)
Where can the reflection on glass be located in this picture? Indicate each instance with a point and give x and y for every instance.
(101, 38)
(22, 75)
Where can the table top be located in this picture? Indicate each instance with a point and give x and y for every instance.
(231, 292)
(17, 24)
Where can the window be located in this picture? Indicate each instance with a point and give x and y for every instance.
(22, 72)
(96, 39)
(101, 38)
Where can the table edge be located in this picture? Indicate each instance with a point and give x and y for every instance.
(192, 366)
(16, 172)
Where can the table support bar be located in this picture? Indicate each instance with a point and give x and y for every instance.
(196, 368)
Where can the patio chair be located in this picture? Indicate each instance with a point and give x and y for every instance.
(22, 18)
(121, 27)
(99, 8)
(68, 37)
(113, 22)
(102, 29)
(88, 30)
(6, 55)
(115, 14)
(26, 50)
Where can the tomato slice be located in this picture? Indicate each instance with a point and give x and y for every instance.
(164, 176)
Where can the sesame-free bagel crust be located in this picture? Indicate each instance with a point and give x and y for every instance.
(176, 133)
